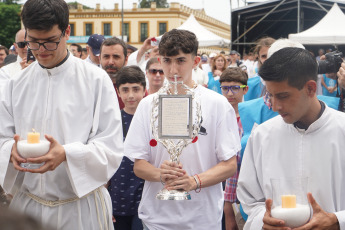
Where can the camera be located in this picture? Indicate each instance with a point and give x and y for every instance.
(30, 56)
(332, 63)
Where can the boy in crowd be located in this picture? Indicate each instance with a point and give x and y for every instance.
(125, 188)
(211, 158)
(233, 83)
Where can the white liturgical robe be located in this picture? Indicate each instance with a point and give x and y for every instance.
(276, 150)
(77, 105)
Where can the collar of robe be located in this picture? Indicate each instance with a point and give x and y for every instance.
(63, 61)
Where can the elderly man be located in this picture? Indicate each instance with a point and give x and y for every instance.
(10, 70)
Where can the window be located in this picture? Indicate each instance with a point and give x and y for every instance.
(88, 29)
(143, 31)
(107, 29)
(126, 30)
(72, 29)
(162, 28)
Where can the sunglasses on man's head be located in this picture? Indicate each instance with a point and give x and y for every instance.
(21, 44)
(155, 71)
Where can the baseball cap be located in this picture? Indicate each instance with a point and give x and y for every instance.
(204, 58)
(95, 42)
(233, 52)
(212, 55)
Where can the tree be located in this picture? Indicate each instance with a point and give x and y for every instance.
(9, 23)
(159, 3)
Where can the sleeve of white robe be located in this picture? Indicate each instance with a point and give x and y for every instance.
(341, 218)
(249, 191)
(91, 165)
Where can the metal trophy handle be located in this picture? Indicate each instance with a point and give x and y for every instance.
(173, 142)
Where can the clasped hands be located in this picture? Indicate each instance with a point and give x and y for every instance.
(52, 159)
(319, 221)
(175, 177)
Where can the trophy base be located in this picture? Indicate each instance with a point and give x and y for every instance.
(31, 165)
(165, 194)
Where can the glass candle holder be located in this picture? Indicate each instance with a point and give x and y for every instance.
(32, 143)
(290, 202)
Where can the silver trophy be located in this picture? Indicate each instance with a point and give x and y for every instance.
(173, 126)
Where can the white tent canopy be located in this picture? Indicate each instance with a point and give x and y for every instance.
(329, 30)
(204, 36)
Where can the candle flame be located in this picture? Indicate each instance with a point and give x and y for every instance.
(33, 130)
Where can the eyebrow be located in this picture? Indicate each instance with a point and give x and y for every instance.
(49, 38)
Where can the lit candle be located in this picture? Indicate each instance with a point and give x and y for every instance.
(33, 137)
(288, 201)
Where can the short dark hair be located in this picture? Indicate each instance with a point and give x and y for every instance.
(130, 74)
(4, 48)
(295, 65)
(115, 41)
(175, 40)
(151, 61)
(79, 48)
(44, 14)
(234, 75)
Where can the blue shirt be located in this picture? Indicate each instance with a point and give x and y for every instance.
(125, 187)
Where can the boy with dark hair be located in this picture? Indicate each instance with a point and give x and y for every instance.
(210, 158)
(293, 145)
(75, 104)
(233, 84)
(125, 188)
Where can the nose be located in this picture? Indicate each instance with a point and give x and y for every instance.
(230, 92)
(276, 106)
(130, 94)
(173, 68)
(158, 74)
(111, 60)
(41, 48)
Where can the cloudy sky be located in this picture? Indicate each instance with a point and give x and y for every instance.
(219, 9)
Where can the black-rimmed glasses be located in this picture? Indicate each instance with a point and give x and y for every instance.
(234, 88)
(51, 46)
(155, 71)
(21, 44)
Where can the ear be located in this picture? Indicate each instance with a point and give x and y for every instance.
(245, 90)
(67, 32)
(196, 61)
(311, 88)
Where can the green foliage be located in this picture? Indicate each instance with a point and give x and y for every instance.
(159, 3)
(74, 6)
(9, 23)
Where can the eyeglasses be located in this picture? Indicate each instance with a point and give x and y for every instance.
(21, 44)
(51, 46)
(234, 88)
(155, 71)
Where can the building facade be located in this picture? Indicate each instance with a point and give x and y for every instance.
(139, 23)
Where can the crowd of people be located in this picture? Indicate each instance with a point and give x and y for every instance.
(264, 116)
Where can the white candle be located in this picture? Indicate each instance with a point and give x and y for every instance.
(293, 217)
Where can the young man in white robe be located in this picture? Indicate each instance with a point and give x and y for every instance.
(76, 105)
(211, 159)
(306, 140)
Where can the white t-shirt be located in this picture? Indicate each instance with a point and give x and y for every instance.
(218, 140)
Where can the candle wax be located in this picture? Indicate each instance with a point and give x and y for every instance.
(288, 201)
(33, 137)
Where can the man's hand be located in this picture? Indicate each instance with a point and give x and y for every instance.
(15, 158)
(55, 156)
(320, 219)
(24, 64)
(269, 221)
(341, 76)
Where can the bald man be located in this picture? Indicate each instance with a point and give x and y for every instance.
(10, 70)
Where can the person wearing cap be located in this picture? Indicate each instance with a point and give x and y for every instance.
(12, 69)
(93, 48)
(12, 50)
